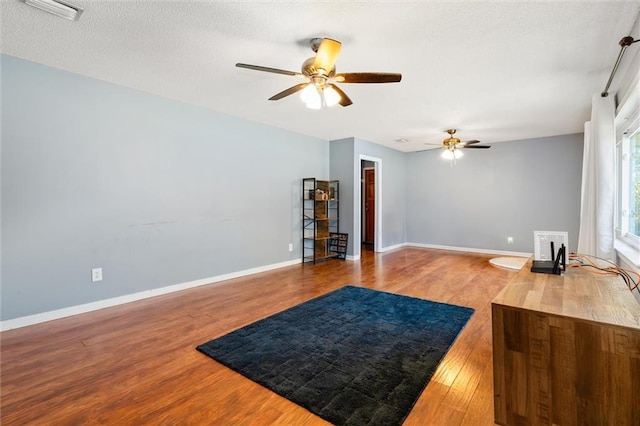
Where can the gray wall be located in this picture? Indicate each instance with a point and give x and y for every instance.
(512, 189)
(341, 168)
(154, 191)
(159, 193)
(345, 166)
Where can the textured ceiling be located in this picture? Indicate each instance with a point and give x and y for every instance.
(497, 71)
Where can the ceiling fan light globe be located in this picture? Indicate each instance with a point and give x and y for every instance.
(311, 97)
(457, 154)
(314, 104)
(307, 93)
(447, 154)
(331, 97)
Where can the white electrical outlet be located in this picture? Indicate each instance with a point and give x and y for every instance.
(96, 274)
(290, 246)
(509, 240)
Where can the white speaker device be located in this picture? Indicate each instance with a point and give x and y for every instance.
(542, 243)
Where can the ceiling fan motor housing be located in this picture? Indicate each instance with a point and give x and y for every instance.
(451, 142)
(309, 69)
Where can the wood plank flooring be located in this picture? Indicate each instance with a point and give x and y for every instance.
(136, 363)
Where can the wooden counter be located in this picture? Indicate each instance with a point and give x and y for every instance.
(566, 350)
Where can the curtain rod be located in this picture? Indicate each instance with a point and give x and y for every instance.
(624, 43)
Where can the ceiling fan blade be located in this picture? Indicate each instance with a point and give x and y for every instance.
(344, 99)
(466, 143)
(427, 149)
(327, 55)
(267, 69)
(289, 91)
(433, 144)
(475, 146)
(368, 77)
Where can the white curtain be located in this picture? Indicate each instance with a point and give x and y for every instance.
(598, 180)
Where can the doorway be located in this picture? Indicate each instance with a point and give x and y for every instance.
(368, 204)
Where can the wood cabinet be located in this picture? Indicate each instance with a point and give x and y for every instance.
(320, 218)
(566, 350)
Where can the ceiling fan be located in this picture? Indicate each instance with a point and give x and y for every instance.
(320, 72)
(452, 146)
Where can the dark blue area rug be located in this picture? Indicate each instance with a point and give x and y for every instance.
(353, 356)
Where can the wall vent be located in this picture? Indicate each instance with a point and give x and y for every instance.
(542, 243)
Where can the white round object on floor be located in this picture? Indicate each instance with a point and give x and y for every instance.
(509, 262)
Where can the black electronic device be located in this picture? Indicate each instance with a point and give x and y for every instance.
(555, 266)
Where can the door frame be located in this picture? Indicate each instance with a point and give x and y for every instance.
(377, 233)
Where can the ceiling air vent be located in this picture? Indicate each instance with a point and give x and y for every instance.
(57, 8)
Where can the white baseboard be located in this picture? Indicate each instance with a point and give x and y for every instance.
(451, 248)
(120, 300)
(393, 247)
(471, 250)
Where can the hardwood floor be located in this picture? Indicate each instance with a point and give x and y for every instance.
(137, 363)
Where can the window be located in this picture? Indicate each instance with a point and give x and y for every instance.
(627, 217)
(634, 188)
(628, 185)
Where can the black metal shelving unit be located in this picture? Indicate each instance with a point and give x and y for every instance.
(320, 219)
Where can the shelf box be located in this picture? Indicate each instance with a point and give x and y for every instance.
(338, 244)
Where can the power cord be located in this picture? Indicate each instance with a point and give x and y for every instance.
(583, 260)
